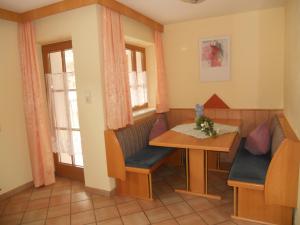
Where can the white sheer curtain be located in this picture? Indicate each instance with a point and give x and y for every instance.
(62, 103)
(138, 88)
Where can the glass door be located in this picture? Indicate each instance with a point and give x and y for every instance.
(58, 60)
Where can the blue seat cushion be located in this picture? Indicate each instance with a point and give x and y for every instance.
(248, 167)
(147, 157)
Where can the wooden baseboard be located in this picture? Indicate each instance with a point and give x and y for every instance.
(100, 191)
(251, 221)
(16, 190)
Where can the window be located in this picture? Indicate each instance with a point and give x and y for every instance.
(62, 101)
(137, 76)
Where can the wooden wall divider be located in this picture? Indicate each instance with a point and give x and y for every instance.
(74, 4)
(250, 117)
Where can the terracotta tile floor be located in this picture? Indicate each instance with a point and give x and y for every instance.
(67, 203)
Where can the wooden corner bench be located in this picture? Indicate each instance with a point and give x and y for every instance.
(131, 160)
(266, 187)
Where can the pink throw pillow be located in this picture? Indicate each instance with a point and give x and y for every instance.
(159, 127)
(258, 141)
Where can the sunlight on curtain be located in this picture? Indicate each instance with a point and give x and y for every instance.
(118, 109)
(36, 114)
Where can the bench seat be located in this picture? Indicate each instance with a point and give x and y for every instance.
(147, 157)
(248, 167)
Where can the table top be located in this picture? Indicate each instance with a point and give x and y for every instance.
(220, 143)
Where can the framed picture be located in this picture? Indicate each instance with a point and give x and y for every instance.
(215, 59)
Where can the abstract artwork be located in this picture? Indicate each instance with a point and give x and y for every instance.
(215, 59)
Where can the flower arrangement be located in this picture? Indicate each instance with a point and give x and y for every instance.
(206, 125)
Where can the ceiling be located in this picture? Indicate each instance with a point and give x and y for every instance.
(20, 6)
(165, 11)
(172, 11)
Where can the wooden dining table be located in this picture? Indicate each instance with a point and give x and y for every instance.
(196, 151)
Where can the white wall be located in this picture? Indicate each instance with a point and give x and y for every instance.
(292, 76)
(257, 60)
(15, 169)
(83, 27)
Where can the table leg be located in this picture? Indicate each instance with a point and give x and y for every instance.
(196, 174)
(187, 171)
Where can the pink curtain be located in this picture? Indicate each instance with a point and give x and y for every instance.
(37, 119)
(161, 95)
(116, 78)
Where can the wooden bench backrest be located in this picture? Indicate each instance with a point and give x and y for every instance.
(116, 151)
(281, 185)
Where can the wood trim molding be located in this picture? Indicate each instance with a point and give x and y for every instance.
(9, 15)
(54, 9)
(126, 11)
(74, 4)
(16, 190)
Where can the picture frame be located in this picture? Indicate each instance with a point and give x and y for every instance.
(215, 59)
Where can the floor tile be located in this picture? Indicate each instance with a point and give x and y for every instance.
(77, 188)
(227, 223)
(106, 213)
(61, 182)
(13, 208)
(23, 196)
(41, 194)
(34, 215)
(191, 219)
(11, 219)
(83, 218)
(180, 209)
(129, 208)
(158, 214)
(60, 210)
(116, 221)
(188, 209)
(60, 199)
(62, 220)
(199, 204)
(122, 199)
(80, 196)
(162, 187)
(167, 222)
(170, 198)
(135, 219)
(81, 206)
(38, 222)
(103, 202)
(242, 222)
(213, 216)
(38, 204)
(61, 190)
(145, 204)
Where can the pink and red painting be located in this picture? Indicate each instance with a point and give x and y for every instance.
(214, 60)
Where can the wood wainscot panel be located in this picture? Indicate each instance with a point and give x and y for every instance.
(250, 118)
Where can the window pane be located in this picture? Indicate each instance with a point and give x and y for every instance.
(129, 59)
(139, 65)
(73, 109)
(55, 81)
(56, 62)
(65, 158)
(77, 148)
(78, 160)
(69, 60)
(64, 141)
(60, 109)
(71, 80)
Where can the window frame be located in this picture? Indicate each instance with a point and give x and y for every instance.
(142, 50)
